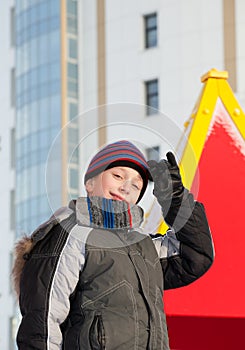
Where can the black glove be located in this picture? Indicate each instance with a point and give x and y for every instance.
(168, 187)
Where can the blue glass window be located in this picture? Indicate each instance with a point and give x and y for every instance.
(43, 10)
(54, 40)
(73, 135)
(72, 71)
(43, 49)
(55, 108)
(152, 96)
(43, 73)
(54, 87)
(151, 30)
(73, 178)
(72, 47)
(73, 110)
(54, 8)
(44, 90)
(34, 49)
(33, 14)
(18, 212)
(72, 7)
(72, 89)
(72, 25)
(43, 202)
(153, 153)
(44, 113)
(34, 112)
(44, 138)
(54, 23)
(73, 154)
(34, 181)
(33, 142)
(33, 77)
(54, 71)
(34, 92)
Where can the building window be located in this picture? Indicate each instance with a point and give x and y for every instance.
(12, 148)
(72, 89)
(74, 178)
(12, 209)
(150, 30)
(73, 110)
(71, 16)
(11, 259)
(73, 135)
(151, 96)
(12, 26)
(72, 7)
(72, 70)
(12, 92)
(153, 153)
(72, 48)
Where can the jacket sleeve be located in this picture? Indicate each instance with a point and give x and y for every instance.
(48, 280)
(186, 251)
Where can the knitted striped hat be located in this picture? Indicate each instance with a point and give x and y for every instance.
(120, 153)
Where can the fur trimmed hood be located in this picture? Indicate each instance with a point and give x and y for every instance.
(22, 248)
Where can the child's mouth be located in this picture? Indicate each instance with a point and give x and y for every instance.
(116, 197)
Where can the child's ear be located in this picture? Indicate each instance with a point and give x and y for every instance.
(89, 185)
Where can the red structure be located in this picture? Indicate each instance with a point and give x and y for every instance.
(210, 313)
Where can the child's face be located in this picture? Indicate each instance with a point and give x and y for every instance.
(120, 183)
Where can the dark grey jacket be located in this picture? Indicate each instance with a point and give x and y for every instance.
(91, 280)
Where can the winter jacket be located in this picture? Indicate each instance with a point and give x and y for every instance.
(89, 279)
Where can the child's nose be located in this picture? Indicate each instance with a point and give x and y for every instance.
(125, 187)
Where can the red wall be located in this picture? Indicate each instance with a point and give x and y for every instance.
(206, 333)
(214, 306)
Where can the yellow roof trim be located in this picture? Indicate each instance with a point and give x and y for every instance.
(197, 136)
(214, 73)
(232, 106)
(215, 86)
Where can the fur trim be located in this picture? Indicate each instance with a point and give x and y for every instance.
(22, 247)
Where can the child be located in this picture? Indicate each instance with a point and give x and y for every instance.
(88, 279)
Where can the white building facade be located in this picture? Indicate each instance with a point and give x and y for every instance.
(186, 39)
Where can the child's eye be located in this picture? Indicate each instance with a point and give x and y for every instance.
(117, 176)
(136, 186)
